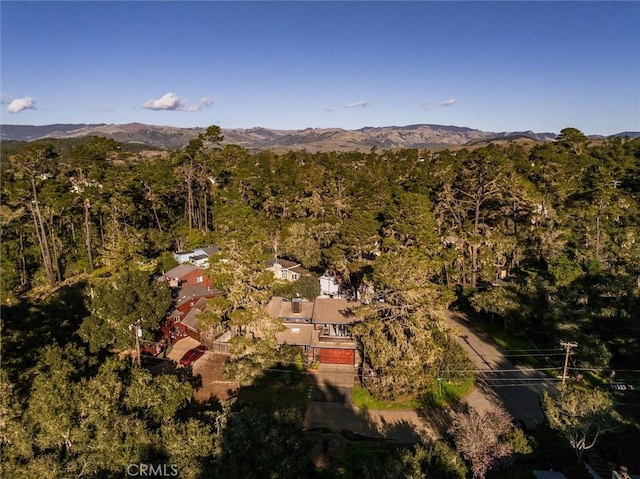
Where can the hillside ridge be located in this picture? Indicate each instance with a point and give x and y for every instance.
(260, 138)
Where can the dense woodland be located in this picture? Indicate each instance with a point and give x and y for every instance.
(88, 223)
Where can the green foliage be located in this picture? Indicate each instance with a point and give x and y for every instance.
(564, 270)
(302, 242)
(399, 335)
(371, 460)
(501, 301)
(118, 302)
(158, 398)
(260, 444)
(364, 400)
(307, 286)
(580, 415)
(87, 421)
(189, 445)
(166, 262)
(438, 459)
(560, 218)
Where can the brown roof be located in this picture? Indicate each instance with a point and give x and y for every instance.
(273, 306)
(296, 334)
(281, 308)
(300, 270)
(285, 263)
(334, 311)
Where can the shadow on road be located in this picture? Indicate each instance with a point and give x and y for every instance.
(517, 387)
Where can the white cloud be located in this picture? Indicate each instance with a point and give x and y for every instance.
(172, 102)
(169, 101)
(19, 104)
(357, 104)
(448, 102)
(206, 101)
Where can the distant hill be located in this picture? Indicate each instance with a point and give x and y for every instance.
(630, 134)
(388, 137)
(311, 139)
(163, 136)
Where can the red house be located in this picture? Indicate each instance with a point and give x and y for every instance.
(186, 275)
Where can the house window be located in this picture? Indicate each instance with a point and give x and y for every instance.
(325, 329)
(176, 320)
(283, 274)
(200, 279)
(208, 335)
(294, 276)
(295, 330)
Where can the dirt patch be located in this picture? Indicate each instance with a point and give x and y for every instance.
(214, 384)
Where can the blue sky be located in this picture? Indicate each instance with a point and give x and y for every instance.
(495, 66)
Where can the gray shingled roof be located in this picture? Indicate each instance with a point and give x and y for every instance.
(209, 250)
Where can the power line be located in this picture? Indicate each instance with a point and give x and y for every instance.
(520, 379)
(500, 370)
(531, 355)
(607, 369)
(524, 350)
(505, 385)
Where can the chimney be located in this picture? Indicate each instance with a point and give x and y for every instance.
(296, 305)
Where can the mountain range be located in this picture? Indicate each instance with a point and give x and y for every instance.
(310, 139)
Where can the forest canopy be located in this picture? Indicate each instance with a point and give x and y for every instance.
(543, 237)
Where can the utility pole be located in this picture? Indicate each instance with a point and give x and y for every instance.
(567, 345)
(137, 332)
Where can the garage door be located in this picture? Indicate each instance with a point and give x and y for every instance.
(337, 356)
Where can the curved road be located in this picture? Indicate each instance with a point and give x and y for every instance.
(518, 388)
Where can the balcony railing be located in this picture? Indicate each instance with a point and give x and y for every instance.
(336, 339)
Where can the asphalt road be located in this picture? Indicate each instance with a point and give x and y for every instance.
(517, 388)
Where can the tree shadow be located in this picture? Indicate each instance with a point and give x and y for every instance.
(159, 366)
(31, 325)
(438, 418)
(331, 409)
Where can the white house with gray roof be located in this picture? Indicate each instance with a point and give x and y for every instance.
(198, 256)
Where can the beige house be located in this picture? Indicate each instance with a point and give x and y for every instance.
(322, 329)
(285, 269)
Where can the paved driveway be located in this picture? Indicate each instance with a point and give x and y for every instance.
(180, 347)
(332, 408)
(333, 383)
